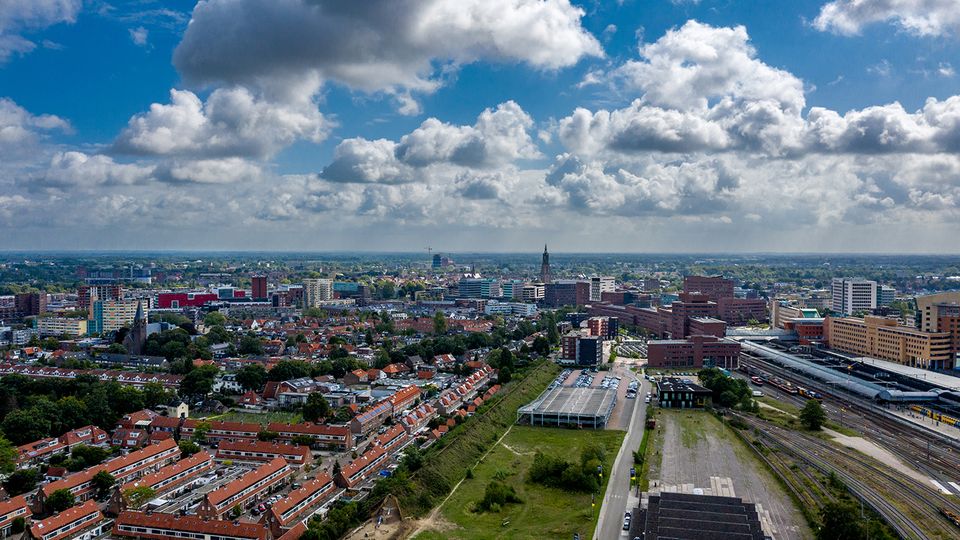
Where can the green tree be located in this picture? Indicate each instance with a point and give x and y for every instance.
(200, 431)
(155, 394)
(188, 448)
(289, 369)
(439, 323)
(103, 481)
(21, 481)
(89, 456)
(116, 348)
(316, 408)
(50, 344)
(25, 425)
(18, 525)
(60, 500)
(252, 377)
(138, 496)
(199, 382)
(812, 416)
(214, 318)
(8, 456)
(250, 344)
(72, 412)
(219, 334)
(841, 521)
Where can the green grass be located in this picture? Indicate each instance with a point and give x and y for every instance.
(448, 460)
(235, 415)
(545, 512)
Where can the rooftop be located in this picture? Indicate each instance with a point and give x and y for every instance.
(573, 401)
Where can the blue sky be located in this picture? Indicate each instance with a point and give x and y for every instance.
(302, 116)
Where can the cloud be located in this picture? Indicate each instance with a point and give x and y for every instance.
(19, 128)
(918, 17)
(499, 137)
(391, 46)
(78, 170)
(209, 171)
(18, 16)
(702, 89)
(232, 122)
(139, 36)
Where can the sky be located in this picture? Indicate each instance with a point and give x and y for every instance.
(481, 125)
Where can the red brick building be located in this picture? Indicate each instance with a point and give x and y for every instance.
(693, 352)
(157, 526)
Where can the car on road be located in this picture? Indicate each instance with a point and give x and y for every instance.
(626, 521)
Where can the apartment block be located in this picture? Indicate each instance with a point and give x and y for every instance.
(295, 455)
(244, 490)
(61, 326)
(80, 522)
(316, 291)
(300, 503)
(157, 526)
(167, 479)
(851, 296)
(600, 285)
(323, 435)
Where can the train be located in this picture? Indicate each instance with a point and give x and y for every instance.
(809, 394)
(939, 417)
(756, 380)
(955, 519)
(784, 386)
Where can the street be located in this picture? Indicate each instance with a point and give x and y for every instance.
(610, 524)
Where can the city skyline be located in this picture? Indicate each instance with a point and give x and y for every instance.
(676, 126)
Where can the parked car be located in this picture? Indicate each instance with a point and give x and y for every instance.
(626, 521)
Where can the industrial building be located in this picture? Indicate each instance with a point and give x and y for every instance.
(674, 393)
(684, 515)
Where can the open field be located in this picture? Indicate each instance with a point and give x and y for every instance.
(235, 415)
(545, 512)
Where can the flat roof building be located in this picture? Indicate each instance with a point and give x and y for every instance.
(885, 339)
(243, 490)
(682, 515)
(566, 406)
(675, 393)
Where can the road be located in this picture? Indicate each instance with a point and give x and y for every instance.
(610, 525)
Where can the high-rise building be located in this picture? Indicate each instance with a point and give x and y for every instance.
(566, 293)
(887, 295)
(30, 304)
(851, 296)
(479, 288)
(512, 288)
(600, 285)
(533, 292)
(259, 287)
(545, 266)
(713, 287)
(316, 291)
(111, 315)
(87, 293)
(437, 262)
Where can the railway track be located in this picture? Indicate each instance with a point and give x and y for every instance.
(911, 510)
(931, 453)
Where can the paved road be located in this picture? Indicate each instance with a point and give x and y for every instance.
(610, 525)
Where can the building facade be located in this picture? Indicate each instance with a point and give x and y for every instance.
(851, 296)
(316, 291)
(883, 338)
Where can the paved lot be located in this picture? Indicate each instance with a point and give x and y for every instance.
(696, 447)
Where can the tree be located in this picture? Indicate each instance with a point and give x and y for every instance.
(116, 348)
(439, 323)
(252, 377)
(8, 456)
(89, 455)
(188, 448)
(841, 521)
(18, 525)
(103, 481)
(25, 425)
(138, 496)
(60, 500)
(72, 412)
(219, 334)
(412, 458)
(200, 431)
(289, 369)
(214, 318)
(50, 344)
(316, 407)
(199, 382)
(154, 394)
(21, 481)
(250, 344)
(812, 416)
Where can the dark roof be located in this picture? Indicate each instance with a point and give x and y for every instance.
(673, 384)
(684, 516)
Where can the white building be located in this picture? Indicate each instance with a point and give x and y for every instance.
(600, 285)
(510, 308)
(887, 295)
(850, 296)
(316, 291)
(533, 292)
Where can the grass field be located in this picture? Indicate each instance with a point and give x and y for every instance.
(235, 415)
(545, 512)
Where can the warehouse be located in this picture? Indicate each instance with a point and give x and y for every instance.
(566, 406)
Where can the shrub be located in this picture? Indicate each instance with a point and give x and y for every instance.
(496, 496)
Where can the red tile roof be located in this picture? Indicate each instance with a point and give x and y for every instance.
(194, 524)
(236, 486)
(39, 528)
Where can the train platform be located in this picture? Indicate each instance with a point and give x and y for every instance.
(940, 427)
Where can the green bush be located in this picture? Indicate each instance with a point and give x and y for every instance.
(496, 496)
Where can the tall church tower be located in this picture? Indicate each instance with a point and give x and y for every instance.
(136, 338)
(545, 266)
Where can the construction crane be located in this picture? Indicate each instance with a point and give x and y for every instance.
(429, 251)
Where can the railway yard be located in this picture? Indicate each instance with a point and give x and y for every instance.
(812, 464)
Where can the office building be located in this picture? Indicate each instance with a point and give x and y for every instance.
(675, 393)
(258, 287)
(87, 293)
(852, 296)
(512, 289)
(580, 349)
(437, 262)
(713, 287)
(566, 293)
(887, 295)
(883, 338)
(30, 304)
(694, 352)
(479, 288)
(111, 315)
(533, 292)
(600, 285)
(316, 290)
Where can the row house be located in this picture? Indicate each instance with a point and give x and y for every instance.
(168, 479)
(222, 431)
(417, 419)
(129, 378)
(323, 435)
(357, 376)
(464, 393)
(445, 362)
(123, 468)
(295, 455)
(404, 398)
(392, 439)
(364, 467)
(10, 510)
(301, 503)
(41, 450)
(295, 391)
(85, 521)
(295, 532)
(244, 490)
(129, 438)
(157, 526)
(372, 418)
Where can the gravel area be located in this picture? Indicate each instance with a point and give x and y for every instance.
(696, 446)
